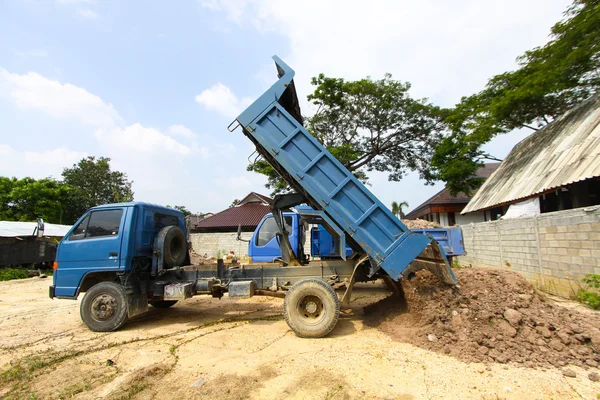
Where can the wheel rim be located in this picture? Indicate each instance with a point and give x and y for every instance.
(104, 307)
(310, 309)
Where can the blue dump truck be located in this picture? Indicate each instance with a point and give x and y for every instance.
(264, 247)
(128, 256)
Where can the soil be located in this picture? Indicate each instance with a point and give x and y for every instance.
(420, 224)
(494, 316)
(205, 348)
(196, 258)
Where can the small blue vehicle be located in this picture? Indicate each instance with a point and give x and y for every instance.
(127, 256)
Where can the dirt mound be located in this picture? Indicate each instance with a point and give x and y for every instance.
(420, 224)
(196, 258)
(495, 315)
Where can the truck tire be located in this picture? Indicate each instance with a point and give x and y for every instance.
(175, 246)
(104, 307)
(311, 308)
(163, 303)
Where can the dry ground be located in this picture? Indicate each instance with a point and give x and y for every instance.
(239, 349)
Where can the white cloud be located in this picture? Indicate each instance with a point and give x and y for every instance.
(181, 131)
(233, 9)
(138, 138)
(36, 164)
(221, 99)
(446, 49)
(58, 100)
(87, 13)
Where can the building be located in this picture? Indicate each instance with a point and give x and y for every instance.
(219, 232)
(556, 168)
(445, 209)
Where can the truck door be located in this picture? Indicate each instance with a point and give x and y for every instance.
(93, 245)
(265, 245)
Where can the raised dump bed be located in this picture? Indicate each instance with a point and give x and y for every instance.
(274, 124)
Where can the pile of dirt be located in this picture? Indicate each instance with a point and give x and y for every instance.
(420, 224)
(196, 258)
(494, 316)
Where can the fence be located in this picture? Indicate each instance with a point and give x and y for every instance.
(553, 250)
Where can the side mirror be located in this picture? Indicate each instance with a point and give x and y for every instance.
(239, 234)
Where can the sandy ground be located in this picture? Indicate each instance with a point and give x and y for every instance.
(209, 348)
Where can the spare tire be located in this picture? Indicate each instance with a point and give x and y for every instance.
(174, 246)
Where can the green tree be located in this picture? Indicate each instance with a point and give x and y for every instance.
(397, 208)
(369, 125)
(183, 209)
(28, 199)
(549, 81)
(235, 202)
(96, 183)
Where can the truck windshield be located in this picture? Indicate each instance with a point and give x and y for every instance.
(269, 228)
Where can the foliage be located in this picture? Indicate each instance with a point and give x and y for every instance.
(549, 81)
(28, 199)
(183, 209)
(369, 125)
(587, 296)
(96, 183)
(235, 202)
(397, 208)
(7, 274)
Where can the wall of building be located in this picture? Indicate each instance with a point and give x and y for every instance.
(473, 217)
(553, 250)
(210, 243)
(444, 219)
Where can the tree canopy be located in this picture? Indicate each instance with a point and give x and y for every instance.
(183, 209)
(28, 199)
(369, 125)
(87, 184)
(549, 80)
(97, 183)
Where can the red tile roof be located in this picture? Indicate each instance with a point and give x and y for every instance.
(248, 215)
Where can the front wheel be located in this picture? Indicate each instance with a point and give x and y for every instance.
(311, 308)
(104, 307)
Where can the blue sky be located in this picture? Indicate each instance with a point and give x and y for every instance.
(153, 85)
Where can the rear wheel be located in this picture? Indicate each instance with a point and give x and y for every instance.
(104, 307)
(311, 308)
(163, 303)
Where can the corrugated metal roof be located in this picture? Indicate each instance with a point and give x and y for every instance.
(445, 197)
(563, 152)
(14, 229)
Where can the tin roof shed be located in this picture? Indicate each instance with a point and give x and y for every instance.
(563, 152)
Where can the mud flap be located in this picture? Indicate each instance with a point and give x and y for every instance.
(137, 303)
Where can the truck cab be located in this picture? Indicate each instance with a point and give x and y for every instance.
(264, 245)
(108, 241)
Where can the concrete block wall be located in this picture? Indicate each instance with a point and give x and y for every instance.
(553, 250)
(210, 243)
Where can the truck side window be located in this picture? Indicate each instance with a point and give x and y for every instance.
(162, 220)
(269, 229)
(79, 232)
(104, 223)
